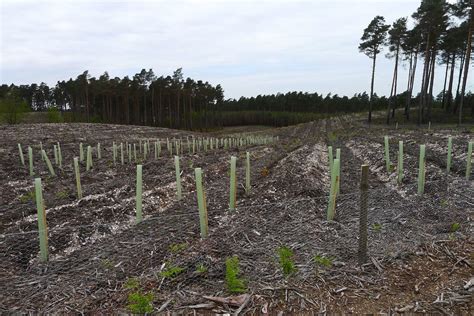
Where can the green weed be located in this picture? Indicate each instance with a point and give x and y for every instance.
(455, 227)
(322, 261)
(201, 268)
(139, 303)
(29, 196)
(132, 284)
(175, 248)
(171, 272)
(62, 194)
(377, 227)
(234, 283)
(285, 257)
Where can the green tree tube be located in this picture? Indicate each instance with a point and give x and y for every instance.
(233, 183)
(201, 197)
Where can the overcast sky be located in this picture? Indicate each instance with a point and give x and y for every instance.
(249, 47)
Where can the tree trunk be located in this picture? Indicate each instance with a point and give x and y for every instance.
(449, 95)
(372, 89)
(466, 66)
(408, 96)
(445, 81)
(395, 81)
(461, 68)
(430, 95)
(424, 82)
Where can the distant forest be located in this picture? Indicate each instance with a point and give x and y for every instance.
(441, 37)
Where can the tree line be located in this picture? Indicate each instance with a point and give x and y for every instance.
(441, 35)
(144, 99)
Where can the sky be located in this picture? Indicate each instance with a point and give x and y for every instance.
(249, 47)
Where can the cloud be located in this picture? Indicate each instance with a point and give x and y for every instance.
(249, 47)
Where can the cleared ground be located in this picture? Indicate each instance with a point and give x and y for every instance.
(417, 261)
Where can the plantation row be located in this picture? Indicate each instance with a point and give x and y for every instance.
(177, 147)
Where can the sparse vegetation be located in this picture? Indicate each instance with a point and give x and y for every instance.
(62, 194)
(139, 303)
(234, 283)
(455, 227)
(27, 197)
(175, 248)
(377, 227)
(201, 268)
(171, 272)
(285, 259)
(323, 261)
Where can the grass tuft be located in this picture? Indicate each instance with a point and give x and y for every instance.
(171, 272)
(323, 261)
(285, 256)
(234, 283)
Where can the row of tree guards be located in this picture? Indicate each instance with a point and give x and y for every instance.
(174, 146)
(334, 167)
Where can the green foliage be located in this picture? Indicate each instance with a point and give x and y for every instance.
(107, 264)
(234, 283)
(455, 227)
(54, 116)
(171, 272)
(285, 258)
(62, 194)
(175, 248)
(12, 109)
(29, 196)
(132, 284)
(139, 303)
(201, 268)
(332, 136)
(323, 261)
(377, 227)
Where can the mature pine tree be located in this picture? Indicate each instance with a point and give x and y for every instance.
(373, 39)
(411, 48)
(466, 10)
(395, 37)
(432, 19)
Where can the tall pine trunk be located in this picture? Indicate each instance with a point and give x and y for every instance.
(467, 59)
(372, 89)
(449, 95)
(445, 81)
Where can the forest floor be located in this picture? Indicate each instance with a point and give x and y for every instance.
(420, 249)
